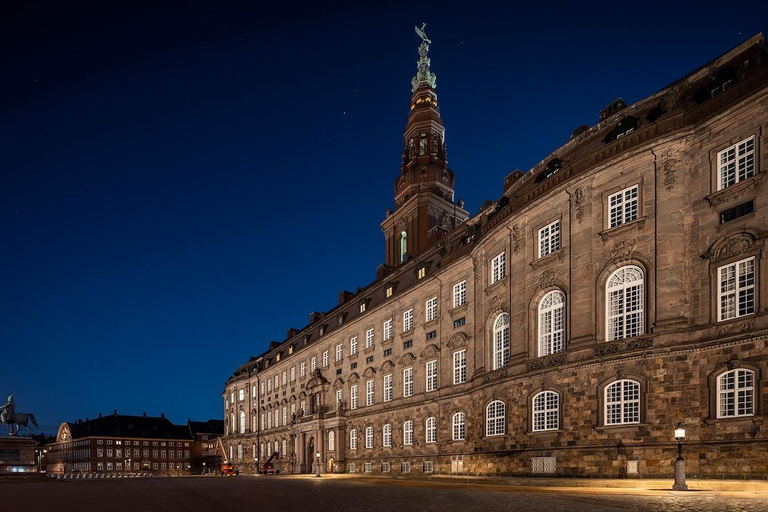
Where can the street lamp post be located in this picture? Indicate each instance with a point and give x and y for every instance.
(680, 462)
(317, 474)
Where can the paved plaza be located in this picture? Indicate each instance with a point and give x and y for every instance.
(274, 493)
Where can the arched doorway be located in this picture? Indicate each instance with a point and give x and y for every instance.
(331, 465)
(310, 458)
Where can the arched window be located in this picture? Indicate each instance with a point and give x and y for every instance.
(501, 341)
(431, 430)
(622, 402)
(546, 411)
(242, 422)
(408, 433)
(736, 394)
(459, 426)
(403, 245)
(624, 304)
(261, 450)
(331, 440)
(552, 323)
(232, 425)
(353, 439)
(387, 437)
(369, 437)
(495, 415)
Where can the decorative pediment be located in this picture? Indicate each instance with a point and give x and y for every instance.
(407, 359)
(338, 383)
(369, 372)
(458, 340)
(64, 434)
(731, 245)
(430, 352)
(302, 395)
(353, 378)
(386, 366)
(317, 379)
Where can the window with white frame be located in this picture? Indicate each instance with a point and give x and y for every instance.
(405, 467)
(262, 387)
(498, 267)
(431, 430)
(623, 206)
(369, 392)
(501, 348)
(736, 289)
(331, 440)
(459, 429)
(736, 163)
(241, 394)
(325, 359)
(253, 391)
(385, 467)
(421, 272)
(369, 338)
(428, 466)
(313, 364)
(624, 308)
(387, 329)
(369, 437)
(546, 411)
(408, 433)
(431, 308)
(388, 387)
(262, 421)
(459, 294)
(387, 436)
(269, 420)
(277, 418)
(293, 409)
(303, 407)
(242, 422)
(339, 397)
(408, 382)
(408, 320)
(353, 396)
(339, 352)
(460, 366)
(353, 345)
(552, 323)
(353, 439)
(285, 415)
(622, 402)
(736, 393)
(367, 467)
(495, 415)
(277, 381)
(293, 373)
(431, 375)
(285, 446)
(549, 239)
(303, 369)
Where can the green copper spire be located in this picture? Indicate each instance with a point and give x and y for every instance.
(423, 76)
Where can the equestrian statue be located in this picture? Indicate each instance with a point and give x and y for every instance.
(15, 420)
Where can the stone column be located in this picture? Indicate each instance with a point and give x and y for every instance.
(302, 449)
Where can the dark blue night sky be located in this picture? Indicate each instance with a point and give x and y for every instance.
(182, 181)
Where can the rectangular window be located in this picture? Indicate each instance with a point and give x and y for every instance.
(388, 352)
(353, 397)
(362, 307)
(293, 373)
(369, 359)
(269, 385)
(498, 267)
(458, 323)
(368, 466)
(285, 378)
(277, 382)
(353, 346)
(736, 289)
(428, 466)
(389, 292)
(353, 366)
(405, 467)
(285, 415)
(339, 352)
(408, 344)
(408, 320)
(622, 206)
(736, 163)
(369, 392)
(241, 394)
(325, 359)
(262, 387)
(431, 335)
(737, 211)
(385, 467)
(431, 375)
(313, 364)
(431, 308)
(549, 239)
(422, 272)
(460, 366)
(459, 294)
(408, 382)
(388, 387)
(369, 338)
(339, 397)
(388, 329)
(303, 369)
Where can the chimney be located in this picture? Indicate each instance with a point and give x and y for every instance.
(162, 415)
(145, 415)
(99, 415)
(115, 412)
(86, 418)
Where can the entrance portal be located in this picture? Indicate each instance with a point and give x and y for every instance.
(310, 456)
(331, 465)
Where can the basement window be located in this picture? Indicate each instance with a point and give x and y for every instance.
(737, 211)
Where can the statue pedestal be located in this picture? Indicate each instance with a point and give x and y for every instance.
(17, 455)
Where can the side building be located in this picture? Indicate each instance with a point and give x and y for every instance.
(611, 294)
(121, 444)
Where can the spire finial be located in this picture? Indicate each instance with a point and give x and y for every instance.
(423, 73)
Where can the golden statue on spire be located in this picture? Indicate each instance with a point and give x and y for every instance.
(423, 75)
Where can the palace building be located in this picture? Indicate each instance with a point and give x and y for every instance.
(612, 294)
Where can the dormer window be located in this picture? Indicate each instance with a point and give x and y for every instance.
(624, 128)
(277, 358)
(723, 79)
(322, 330)
(389, 291)
(422, 271)
(362, 306)
(552, 168)
(340, 319)
(290, 350)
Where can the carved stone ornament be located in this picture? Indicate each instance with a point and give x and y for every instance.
(546, 279)
(496, 304)
(578, 204)
(621, 251)
(458, 340)
(728, 330)
(517, 239)
(495, 375)
(543, 362)
(730, 246)
(368, 373)
(407, 359)
(477, 262)
(673, 160)
(430, 352)
(736, 191)
(616, 347)
(353, 378)
(386, 365)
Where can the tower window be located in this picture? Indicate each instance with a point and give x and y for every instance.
(403, 245)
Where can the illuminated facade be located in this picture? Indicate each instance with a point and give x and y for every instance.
(611, 293)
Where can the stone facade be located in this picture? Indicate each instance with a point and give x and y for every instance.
(649, 229)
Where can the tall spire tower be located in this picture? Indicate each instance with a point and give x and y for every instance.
(424, 191)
